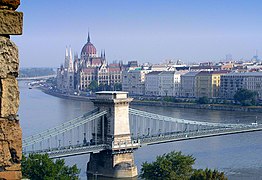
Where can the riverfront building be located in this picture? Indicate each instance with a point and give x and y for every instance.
(134, 81)
(232, 82)
(188, 84)
(164, 83)
(208, 83)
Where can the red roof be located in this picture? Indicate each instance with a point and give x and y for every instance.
(89, 70)
(96, 61)
(89, 49)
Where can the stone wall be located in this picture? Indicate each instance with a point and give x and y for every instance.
(10, 132)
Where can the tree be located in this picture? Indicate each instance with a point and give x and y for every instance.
(176, 166)
(40, 167)
(169, 166)
(104, 87)
(203, 100)
(117, 86)
(208, 174)
(93, 86)
(245, 97)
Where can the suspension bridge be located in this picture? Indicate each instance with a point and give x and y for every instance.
(36, 77)
(114, 127)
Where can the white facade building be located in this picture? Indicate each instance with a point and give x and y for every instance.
(133, 81)
(188, 83)
(165, 83)
(152, 84)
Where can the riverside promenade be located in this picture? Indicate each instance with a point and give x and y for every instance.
(219, 107)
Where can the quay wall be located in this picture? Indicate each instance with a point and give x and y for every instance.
(221, 107)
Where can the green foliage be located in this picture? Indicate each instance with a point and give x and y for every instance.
(208, 174)
(104, 87)
(203, 100)
(34, 72)
(171, 99)
(41, 167)
(176, 166)
(118, 87)
(169, 166)
(168, 99)
(93, 86)
(245, 97)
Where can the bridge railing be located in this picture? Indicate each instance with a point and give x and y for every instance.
(198, 134)
(132, 144)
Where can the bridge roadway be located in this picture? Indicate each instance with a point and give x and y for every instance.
(61, 152)
(87, 148)
(165, 138)
(143, 141)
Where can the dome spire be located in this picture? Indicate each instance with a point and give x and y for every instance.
(88, 37)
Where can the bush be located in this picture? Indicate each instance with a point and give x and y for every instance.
(176, 166)
(203, 100)
(40, 167)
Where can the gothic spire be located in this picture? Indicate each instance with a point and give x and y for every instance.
(71, 65)
(66, 52)
(88, 37)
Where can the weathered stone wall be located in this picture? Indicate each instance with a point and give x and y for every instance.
(10, 131)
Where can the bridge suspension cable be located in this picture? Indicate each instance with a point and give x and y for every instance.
(87, 117)
(182, 121)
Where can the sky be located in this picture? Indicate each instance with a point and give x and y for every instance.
(144, 30)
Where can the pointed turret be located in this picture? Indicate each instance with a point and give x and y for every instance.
(104, 54)
(66, 52)
(71, 65)
(66, 58)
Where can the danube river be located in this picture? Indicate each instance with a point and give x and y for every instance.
(240, 156)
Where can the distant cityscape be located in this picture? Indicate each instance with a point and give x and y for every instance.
(91, 72)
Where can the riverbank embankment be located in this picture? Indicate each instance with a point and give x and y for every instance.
(220, 107)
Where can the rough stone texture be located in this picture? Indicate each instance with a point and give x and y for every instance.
(11, 22)
(8, 58)
(10, 175)
(9, 98)
(10, 4)
(10, 145)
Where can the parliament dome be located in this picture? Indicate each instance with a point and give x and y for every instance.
(88, 49)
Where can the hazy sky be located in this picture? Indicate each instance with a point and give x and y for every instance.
(143, 30)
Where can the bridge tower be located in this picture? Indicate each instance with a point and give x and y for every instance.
(113, 129)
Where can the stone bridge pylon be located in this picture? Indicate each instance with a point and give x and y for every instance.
(113, 129)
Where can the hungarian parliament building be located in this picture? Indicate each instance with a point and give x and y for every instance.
(78, 72)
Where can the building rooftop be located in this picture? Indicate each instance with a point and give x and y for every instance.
(244, 74)
(191, 73)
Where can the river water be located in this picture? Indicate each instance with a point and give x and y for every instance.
(239, 156)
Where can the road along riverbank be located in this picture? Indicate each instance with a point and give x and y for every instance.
(222, 107)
